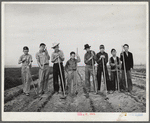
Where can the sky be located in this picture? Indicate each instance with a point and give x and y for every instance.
(73, 26)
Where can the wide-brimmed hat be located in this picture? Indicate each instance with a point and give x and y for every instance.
(86, 46)
(55, 44)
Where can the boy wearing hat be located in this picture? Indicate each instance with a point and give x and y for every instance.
(26, 60)
(114, 63)
(99, 56)
(128, 57)
(43, 58)
(57, 56)
(70, 68)
(88, 57)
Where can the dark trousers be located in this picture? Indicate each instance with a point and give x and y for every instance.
(56, 73)
(99, 74)
(115, 80)
(129, 81)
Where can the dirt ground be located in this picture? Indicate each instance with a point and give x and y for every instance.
(51, 102)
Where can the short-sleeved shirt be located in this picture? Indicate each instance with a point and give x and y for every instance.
(27, 61)
(54, 55)
(42, 58)
(71, 64)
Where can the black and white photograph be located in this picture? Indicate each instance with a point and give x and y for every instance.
(75, 61)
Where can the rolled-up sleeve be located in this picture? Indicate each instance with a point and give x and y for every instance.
(37, 57)
(52, 58)
(20, 60)
(31, 60)
(62, 55)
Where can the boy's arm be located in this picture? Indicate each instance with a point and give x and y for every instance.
(106, 58)
(132, 61)
(78, 58)
(66, 66)
(47, 54)
(121, 57)
(30, 60)
(97, 59)
(53, 58)
(85, 60)
(119, 65)
(20, 60)
(110, 63)
(61, 56)
(38, 61)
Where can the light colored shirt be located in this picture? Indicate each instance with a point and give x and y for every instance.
(114, 58)
(42, 58)
(72, 64)
(126, 53)
(54, 55)
(25, 59)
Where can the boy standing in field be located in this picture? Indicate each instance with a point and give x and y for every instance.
(26, 60)
(102, 55)
(58, 56)
(43, 62)
(114, 63)
(71, 67)
(88, 57)
(128, 57)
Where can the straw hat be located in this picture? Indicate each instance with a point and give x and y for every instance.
(55, 44)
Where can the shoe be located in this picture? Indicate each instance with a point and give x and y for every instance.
(57, 93)
(86, 94)
(27, 94)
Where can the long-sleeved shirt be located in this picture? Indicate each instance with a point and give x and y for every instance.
(128, 60)
(42, 57)
(55, 54)
(72, 64)
(99, 61)
(25, 60)
(87, 56)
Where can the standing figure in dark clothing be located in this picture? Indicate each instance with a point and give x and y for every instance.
(114, 63)
(58, 56)
(128, 57)
(88, 57)
(99, 56)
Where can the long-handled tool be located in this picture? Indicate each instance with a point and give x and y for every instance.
(32, 81)
(94, 76)
(76, 77)
(124, 69)
(104, 75)
(117, 77)
(64, 96)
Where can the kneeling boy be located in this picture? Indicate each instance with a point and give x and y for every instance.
(71, 67)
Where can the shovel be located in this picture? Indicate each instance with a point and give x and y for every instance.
(64, 96)
(106, 98)
(32, 81)
(76, 77)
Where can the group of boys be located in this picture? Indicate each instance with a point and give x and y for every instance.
(90, 59)
(117, 65)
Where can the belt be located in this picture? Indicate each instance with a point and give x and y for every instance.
(72, 70)
(89, 65)
(57, 63)
(45, 64)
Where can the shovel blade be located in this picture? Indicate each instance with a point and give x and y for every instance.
(63, 97)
